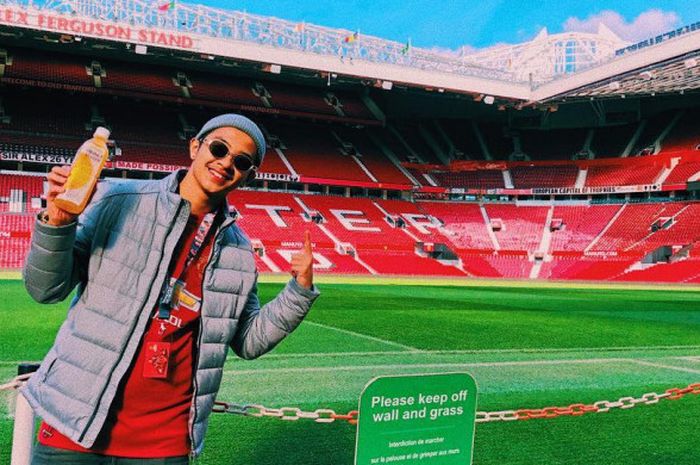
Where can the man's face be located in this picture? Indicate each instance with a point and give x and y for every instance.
(218, 176)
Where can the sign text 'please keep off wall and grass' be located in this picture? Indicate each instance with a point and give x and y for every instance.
(417, 419)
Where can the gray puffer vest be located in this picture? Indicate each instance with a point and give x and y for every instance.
(118, 255)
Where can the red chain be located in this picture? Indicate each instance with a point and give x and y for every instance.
(350, 417)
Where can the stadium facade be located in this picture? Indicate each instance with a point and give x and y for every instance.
(572, 156)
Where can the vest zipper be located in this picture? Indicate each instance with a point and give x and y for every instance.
(193, 405)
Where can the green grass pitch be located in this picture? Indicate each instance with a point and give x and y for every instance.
(527, 345)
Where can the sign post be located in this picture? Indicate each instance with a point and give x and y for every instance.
(417, 419)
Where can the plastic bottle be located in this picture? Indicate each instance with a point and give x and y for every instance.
(87, 166)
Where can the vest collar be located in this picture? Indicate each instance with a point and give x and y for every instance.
(170, 199)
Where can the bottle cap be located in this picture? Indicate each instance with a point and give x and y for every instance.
(102, 132)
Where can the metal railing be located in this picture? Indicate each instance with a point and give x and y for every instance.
(264, 31)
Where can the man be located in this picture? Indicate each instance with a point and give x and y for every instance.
(166, 282)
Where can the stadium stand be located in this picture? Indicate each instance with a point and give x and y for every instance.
(622, 175)
(687, 169)
(155, 109)
(510, 266)
(307, 144)
(397, 146)
(45, 66)
(476, 179)
(463, 224)
(371, 157)
(272, 163)
(681, 271)
(362, 224)
(528, 177)
(274, 226)
(678, 224)
(227, 88)
(461, 133)
(478, 266)
(519, 228)
(20, 193)
(163, 154)
(139, 78)
(155, 82)
(558, 144)
(14, 239)
(685, 135)
(632, 223)
(141, 123)
(301, 98)
(654, 127)
(35, 113)
(500, 146)
(406, 263)
(611, 141)
(580, 225)
(411, 135)
(588, 269)
(352, 105)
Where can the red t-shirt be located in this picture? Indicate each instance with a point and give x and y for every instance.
(150, 416)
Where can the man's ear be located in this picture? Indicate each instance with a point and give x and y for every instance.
(194, 146)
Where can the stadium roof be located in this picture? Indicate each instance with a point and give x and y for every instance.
(510, 75)
(669, 66)
(547, 56)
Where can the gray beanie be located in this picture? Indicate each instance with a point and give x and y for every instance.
(241, 123)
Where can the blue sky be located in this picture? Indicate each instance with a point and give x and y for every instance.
(475, 23)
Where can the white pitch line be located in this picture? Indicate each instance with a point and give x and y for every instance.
(668, 367)
(478, 351)
(690, 358)
(363, 336)
(428, 365)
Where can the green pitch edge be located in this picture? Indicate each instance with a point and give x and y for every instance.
(464, 282)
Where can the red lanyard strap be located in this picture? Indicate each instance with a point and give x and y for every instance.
(166, 304)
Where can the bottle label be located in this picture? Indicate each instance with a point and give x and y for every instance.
(84, 170)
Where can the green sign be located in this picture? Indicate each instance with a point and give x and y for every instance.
(417, 419)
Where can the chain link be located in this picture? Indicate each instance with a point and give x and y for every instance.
(329, 415)
(601, 406)
(504, 415)
(284, 413)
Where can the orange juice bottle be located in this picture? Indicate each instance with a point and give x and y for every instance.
(86, 168)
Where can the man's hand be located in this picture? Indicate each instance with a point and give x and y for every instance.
(57, 179)
(302, 263)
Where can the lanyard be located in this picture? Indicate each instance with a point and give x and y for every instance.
(166, 304)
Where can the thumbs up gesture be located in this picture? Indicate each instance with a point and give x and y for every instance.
(302, 263)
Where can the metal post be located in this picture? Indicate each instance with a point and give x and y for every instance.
(23, 433)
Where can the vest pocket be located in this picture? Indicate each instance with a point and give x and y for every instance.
(49, 367)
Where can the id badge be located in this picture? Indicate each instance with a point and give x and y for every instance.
(156, 360)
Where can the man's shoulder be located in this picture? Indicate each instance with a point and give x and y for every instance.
(112, 187)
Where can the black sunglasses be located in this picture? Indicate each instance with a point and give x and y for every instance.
(218, 149)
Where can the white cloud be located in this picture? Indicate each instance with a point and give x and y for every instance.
(647, 24)
(454, 53)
